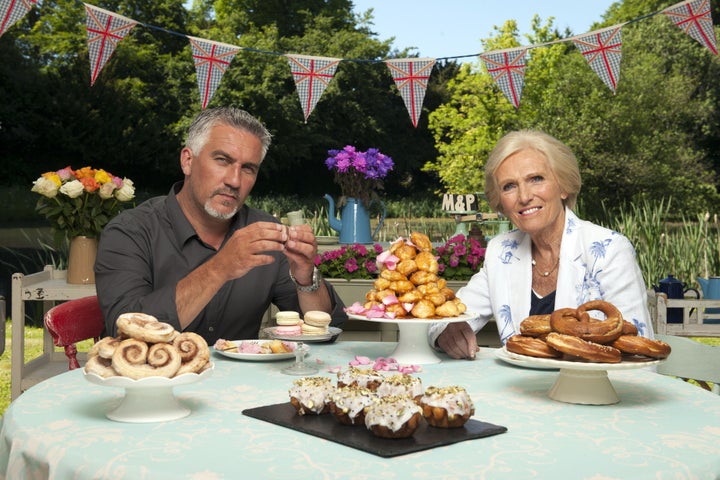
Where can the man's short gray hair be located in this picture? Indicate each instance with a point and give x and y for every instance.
(234, 117)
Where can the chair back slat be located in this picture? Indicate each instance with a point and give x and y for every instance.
(691, 360)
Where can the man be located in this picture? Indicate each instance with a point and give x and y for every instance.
(199, 258)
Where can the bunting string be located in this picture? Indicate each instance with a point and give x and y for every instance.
(602, 50)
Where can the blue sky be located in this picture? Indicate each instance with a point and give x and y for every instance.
(451, 28)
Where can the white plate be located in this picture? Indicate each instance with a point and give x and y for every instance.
(149, 382)
(513, 359)
(257, 357)
(534, 362)
(413, 320)
(332, 332)
(326, 240)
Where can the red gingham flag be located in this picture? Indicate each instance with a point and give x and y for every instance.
(13, 10)
(104, 31)
(211, 61)
(507, 67)
(694, 18)
(411, 77)
(602, 50)
(312, 76)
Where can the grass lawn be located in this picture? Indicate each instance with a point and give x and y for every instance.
(33, 348)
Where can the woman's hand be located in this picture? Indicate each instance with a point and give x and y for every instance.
(458, 340)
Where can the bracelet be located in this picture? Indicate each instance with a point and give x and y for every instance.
(308, 288)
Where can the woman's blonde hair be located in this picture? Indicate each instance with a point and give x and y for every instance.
(560, 158)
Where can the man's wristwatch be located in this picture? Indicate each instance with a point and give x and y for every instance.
(308, 288)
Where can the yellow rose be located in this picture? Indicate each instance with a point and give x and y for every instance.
(73, 189)
(45, 186)
(126, 192)
(101, 176)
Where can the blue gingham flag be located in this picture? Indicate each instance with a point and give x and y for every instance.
(507, 68)
(211, 62)
(411, 77)
(312, 76)
(13, 10)
(104, 31)
(693, 17)
(602, 50)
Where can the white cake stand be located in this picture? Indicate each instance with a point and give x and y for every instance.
(578, 382)
(413, 347)
(149, 399)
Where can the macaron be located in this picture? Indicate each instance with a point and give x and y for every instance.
(316, 322)
(284, 318)
(288, 330)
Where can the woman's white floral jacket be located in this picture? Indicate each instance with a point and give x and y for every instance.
(595, 264)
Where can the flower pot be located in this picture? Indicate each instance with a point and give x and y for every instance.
(81, 260)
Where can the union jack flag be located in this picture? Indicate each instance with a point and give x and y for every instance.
(411, 77)
(211, 62)
(312, 76)
(104, 31)
(13, 10)
(694, 18)
(507, 68)
(602, 50)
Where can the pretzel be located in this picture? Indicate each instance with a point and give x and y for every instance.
(578, 323)
(588, 351)
(634, 345)
(535, 325)
(531, 346)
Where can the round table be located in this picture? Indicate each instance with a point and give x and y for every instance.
(661, 428)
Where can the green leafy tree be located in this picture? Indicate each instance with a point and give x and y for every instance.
(648, 141)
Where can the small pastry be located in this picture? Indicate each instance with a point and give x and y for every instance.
(395, 416)
(311, 395)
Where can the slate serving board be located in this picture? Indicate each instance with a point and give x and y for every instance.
(359, 437)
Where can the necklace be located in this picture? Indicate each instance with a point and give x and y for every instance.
(546, 274)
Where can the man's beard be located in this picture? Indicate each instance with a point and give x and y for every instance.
(219, 215)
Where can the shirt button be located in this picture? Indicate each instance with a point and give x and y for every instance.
(211, 329)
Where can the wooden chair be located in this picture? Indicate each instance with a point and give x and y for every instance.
(691, 360)
(73, 321)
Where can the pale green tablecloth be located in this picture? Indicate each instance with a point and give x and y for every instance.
(661, 429)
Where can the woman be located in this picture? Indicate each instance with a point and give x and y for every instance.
(553, 259)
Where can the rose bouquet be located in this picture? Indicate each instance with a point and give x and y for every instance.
(349, 261)
(359, 174)
(81, 202)
(460, 258)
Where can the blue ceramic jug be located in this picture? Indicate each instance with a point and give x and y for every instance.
(711, 291)
(354, 223)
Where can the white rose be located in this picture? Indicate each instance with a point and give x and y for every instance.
(126, 192)
(73, 189)
(46, 187)
(106, 190)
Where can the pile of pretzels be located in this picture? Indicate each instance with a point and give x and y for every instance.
(572, 334)
(146, 347)
(410, 285)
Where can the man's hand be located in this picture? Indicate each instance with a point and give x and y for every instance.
(248, 248)
(300, 250)
(458, 340)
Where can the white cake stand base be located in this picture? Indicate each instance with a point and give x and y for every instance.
(413, 347)
(589, 387)
(147, 405)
